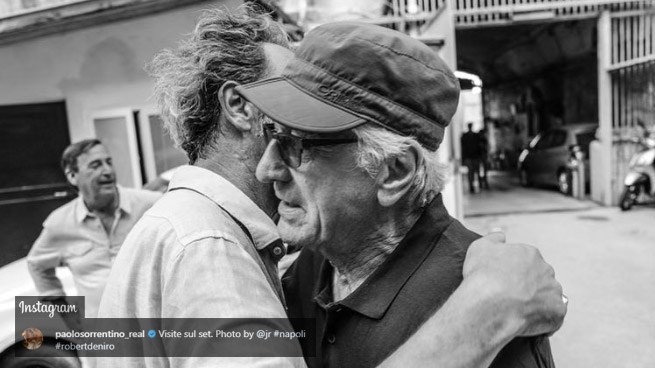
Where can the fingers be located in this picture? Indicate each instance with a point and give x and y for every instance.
(557, 319)
(548, 308)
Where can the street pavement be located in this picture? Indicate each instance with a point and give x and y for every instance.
(507, 196)
(604, 258)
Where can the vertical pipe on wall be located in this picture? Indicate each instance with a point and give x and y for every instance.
(604, 193)
(444, 27)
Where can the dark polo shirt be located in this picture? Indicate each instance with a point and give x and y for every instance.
(372, 322)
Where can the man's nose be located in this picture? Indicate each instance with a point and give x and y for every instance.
(107, 168)
(271, 167)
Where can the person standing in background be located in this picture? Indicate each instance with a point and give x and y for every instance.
(86, 233)
(471, 156)
(484, 159)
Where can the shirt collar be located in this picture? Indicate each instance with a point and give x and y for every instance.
(82, 212)
(374, 297)
(229, 197)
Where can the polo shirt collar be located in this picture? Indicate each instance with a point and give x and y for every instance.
(82, 212)
(229, 197)
(374, 297)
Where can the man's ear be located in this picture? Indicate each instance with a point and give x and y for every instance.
(236, 109)
(71, 176)
(396, 176)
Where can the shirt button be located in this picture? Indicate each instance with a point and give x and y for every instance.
(331, 338)
(277, 251)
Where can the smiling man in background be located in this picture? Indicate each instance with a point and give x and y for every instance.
(86, 233)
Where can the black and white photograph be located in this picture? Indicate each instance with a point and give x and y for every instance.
(327, 183)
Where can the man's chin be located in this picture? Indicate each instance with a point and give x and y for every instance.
(293, 235)
(107, 192)
(107, 189)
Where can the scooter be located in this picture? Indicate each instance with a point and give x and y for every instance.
(641, 176)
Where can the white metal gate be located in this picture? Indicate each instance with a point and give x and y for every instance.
(626, 86)
(471, 13)
(414, 14)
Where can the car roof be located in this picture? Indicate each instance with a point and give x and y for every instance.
(582, 126)
(575, 128)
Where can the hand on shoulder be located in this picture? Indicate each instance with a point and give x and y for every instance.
(517, 284)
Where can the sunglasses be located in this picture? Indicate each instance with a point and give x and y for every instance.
(290, 147)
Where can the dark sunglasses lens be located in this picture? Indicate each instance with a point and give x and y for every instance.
(290, 150)
(268, 132)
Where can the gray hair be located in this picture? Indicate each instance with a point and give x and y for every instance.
(224, 46)
(377, 145)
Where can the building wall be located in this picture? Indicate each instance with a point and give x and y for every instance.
(93, 69)
(9, 7)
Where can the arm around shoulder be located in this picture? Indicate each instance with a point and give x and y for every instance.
(508, 291)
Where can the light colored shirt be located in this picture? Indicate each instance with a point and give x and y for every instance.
(74, 237)
(189, 258)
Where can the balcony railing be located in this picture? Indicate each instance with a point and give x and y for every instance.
(410, 15)
(490, 12)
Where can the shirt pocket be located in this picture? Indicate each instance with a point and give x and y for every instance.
(79, 250)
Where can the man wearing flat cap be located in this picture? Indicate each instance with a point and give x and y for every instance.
(354, 125)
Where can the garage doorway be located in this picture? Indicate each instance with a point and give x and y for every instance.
(32, 138)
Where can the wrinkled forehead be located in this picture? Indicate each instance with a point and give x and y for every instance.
(96, 152)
